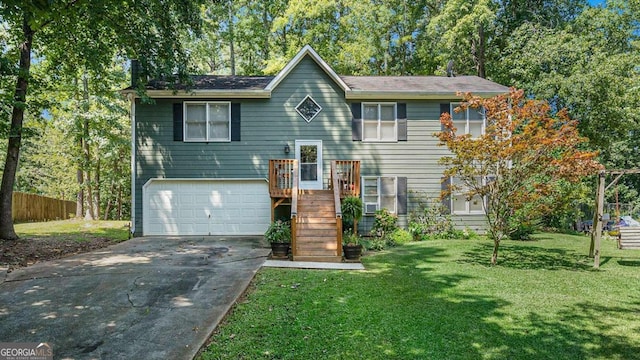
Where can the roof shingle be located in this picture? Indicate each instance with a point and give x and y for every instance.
(216, 82)
(423, 84)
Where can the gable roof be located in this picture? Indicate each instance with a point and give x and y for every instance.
(355, 87)
(307, 51)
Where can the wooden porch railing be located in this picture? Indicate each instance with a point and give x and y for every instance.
(294, 207)
(281, 172)
(335, 184)
(347, 173)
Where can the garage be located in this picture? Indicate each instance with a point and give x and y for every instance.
(206, 207)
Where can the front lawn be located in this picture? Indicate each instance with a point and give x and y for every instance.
(75, 229)
(441, 300)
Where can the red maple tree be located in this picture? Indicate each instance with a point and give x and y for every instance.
(520, 158)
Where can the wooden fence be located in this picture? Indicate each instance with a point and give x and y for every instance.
(31, 207)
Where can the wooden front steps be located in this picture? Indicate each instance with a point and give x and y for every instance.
(316, 229)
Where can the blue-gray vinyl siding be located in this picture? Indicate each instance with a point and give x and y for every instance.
(267, 125)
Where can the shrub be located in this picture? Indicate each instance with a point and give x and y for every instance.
(431, 222)
(384, 223)
(522, 231)
(374, 243)
(398, 237)
(522, 225)
(468, 234)
(278, 232)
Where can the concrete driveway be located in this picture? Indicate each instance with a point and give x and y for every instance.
(147, 298)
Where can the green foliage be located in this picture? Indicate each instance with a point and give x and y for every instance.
(385, 232)
(398, 237)
(566, 205)
(351, 208)
(349, 238)
(375, 243)
(430, 222)
(461, 29)
(588, 66)
(523, 223)
(523, 230)
(278, 232)
(384, 223)
(468, 234)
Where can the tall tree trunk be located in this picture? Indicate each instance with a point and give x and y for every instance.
(86, 151)
(480, 52)
(232, 53)
(89, 214)
(7, 231)
(266, 28)
(96, 193)
(110, 201)
(119, 201)
(405, 25)
(79, 170)
(80, 195)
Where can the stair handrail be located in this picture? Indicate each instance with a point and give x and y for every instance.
(336, 188)
(336, 199)
(294, 207)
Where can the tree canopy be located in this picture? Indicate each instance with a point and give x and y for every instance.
(81, 36)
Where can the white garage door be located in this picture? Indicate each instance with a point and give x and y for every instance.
(206, 207)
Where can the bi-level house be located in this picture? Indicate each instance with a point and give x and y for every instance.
(232, 153)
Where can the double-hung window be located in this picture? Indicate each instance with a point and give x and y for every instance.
(459, 202)
(379, 192)
(379, 122)
(207, 121)
(469, 121)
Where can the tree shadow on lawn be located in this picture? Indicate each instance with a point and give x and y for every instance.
(408, 256)
(527, 257)
(582, 331)
(441, 322)
(413, 308)
(634, 263)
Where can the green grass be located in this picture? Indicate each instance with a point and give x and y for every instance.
(79, 230)
(441, 300)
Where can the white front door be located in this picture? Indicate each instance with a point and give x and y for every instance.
(309, 156)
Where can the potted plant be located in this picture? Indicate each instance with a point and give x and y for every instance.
(279, 236)
(351, 246)
(351, 212)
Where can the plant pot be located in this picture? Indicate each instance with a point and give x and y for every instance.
(279, 250)
(352, 252)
